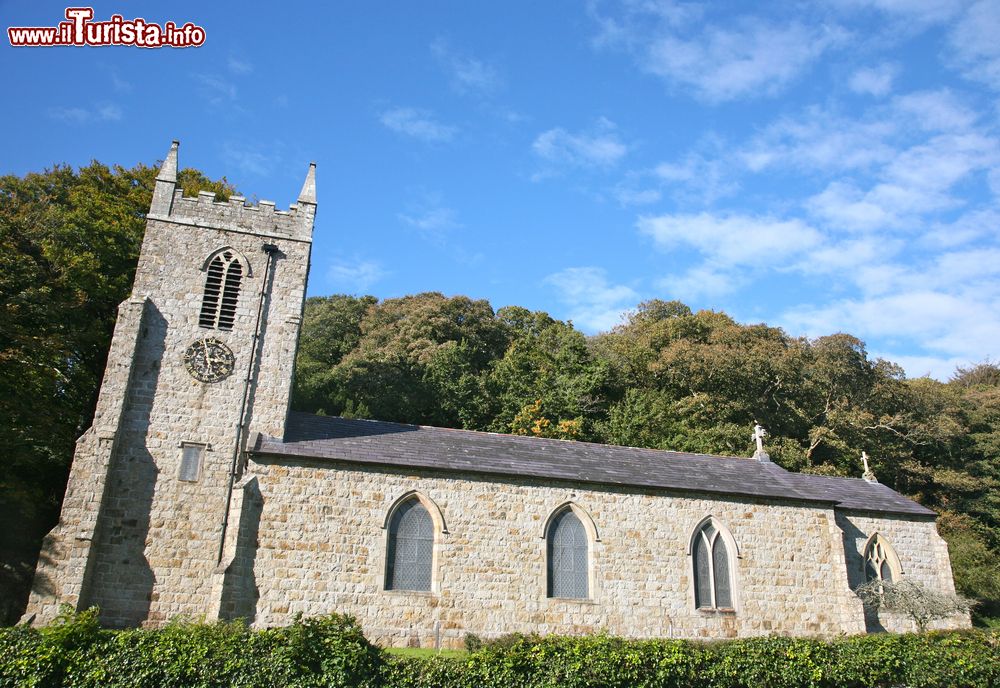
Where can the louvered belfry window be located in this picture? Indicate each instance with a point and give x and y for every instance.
(568, 566)
(713, 583)
(410, 551)
(222, 290)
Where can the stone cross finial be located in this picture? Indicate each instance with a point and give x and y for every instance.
(869, 474)
(758, 434)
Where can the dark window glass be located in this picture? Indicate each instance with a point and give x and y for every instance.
(567, 557)
(720, 561)
(410, 548)
(886, 572)
(870, 572)
(713, 582)
(702, 577)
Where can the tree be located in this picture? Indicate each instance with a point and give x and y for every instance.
(416, 359)
(914, 600)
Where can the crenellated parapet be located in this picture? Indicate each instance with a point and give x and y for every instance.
(204, 211)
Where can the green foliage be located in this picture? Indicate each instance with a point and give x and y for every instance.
(69, 242)
(969, 659)
(332, 651)
(327, 651)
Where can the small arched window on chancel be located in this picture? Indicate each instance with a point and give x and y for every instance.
(880, 560)
(223, 278)
(410, 548)
(712, 564)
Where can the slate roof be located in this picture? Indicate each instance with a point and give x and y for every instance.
(417, 446)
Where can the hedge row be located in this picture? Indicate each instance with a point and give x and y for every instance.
(332, 651)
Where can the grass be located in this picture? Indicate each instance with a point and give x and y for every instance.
(423, 652)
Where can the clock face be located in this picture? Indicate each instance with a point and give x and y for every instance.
(209, 360)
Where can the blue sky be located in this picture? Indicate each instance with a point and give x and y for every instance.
(820, 166)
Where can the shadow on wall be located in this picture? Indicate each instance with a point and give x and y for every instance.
(239, 588)
(851, 535)
(122, 582)
(258, 353)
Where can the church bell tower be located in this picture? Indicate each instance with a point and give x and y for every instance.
(201, 359)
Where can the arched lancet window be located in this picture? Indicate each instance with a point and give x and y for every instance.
(568, 556)
(410, 548)
(880, 560)
(713, 579)
(222, 290)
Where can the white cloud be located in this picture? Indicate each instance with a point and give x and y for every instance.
(703, 178)
(105, 112)
(851, 258)
(873, 81)
(239, 66)
(918, 181)
(355, 276)
(820, 141)
(431, 219)
(844, 206)
(935, 110)
(732, 239)
(467, 74)
(216, 89)
(631, 196)
(253, 161)
(119, 84)
(975, 41)
(420, 124)
(947, 326)
(919, 12)
(594, 304)
(754, 59)
(600, 148)
(700, 282)
(427, 213)
(964, 229)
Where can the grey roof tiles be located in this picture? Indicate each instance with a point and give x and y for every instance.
(400, 445)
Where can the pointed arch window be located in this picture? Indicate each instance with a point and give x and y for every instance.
(881, 562)
(222, 290)
(712, 564)
(410, 548)
(568, 552)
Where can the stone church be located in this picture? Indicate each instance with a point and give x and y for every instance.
(196, 492)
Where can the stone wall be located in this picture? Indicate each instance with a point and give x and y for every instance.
(320, 547)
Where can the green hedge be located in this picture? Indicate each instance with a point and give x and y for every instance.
(332, 651)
